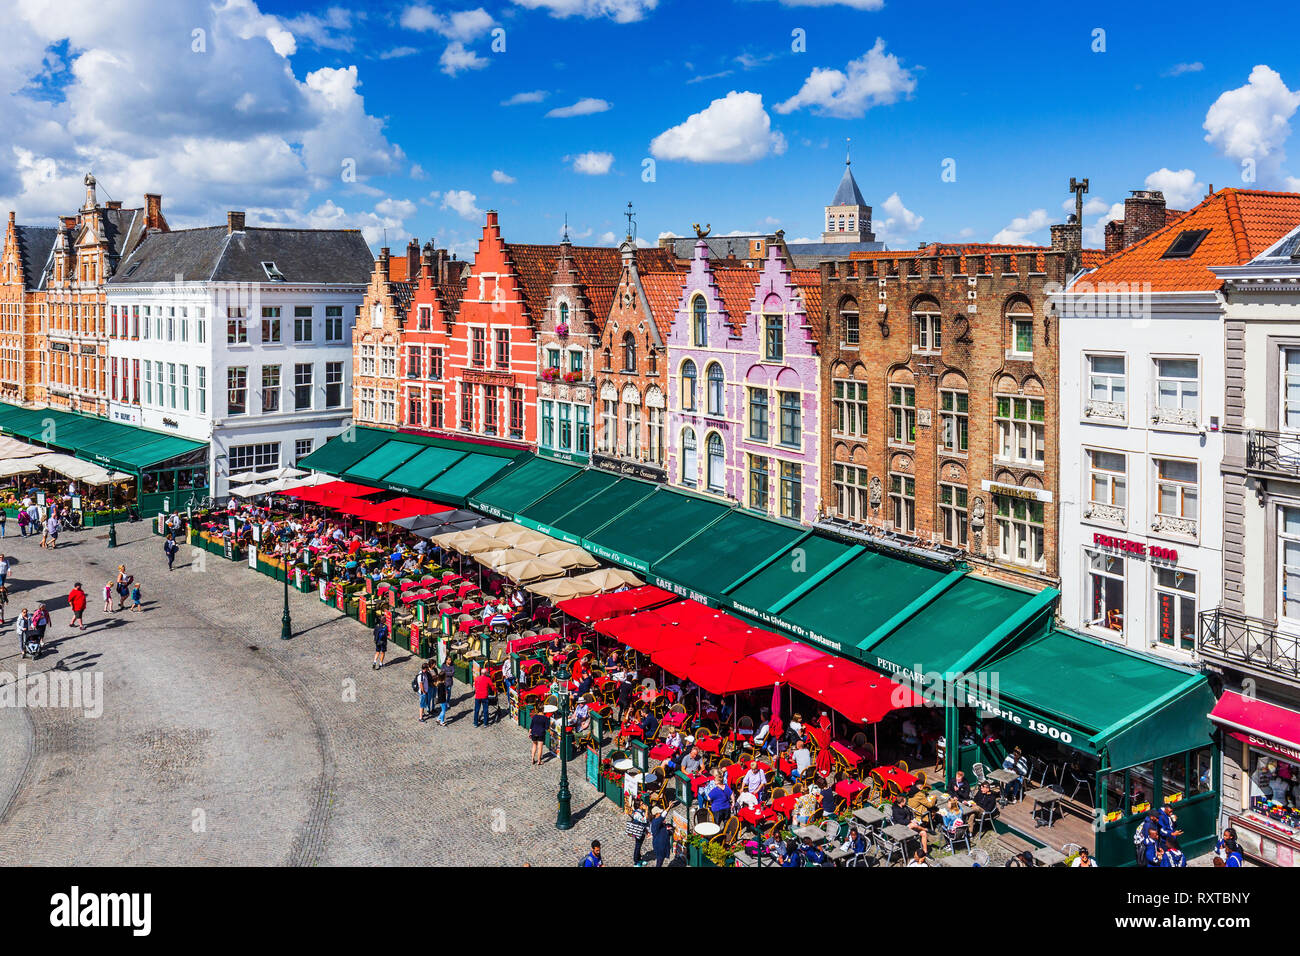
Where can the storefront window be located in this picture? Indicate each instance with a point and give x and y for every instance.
(1104, 592)
(1176, 608)
(1274, 789)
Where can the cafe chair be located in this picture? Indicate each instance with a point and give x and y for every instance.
(832, 831)
(920, 778)
(958, 834)
(1081, 782)
(889, 846)
(1071, 849)
(859, 742)
(984, 820)
(902, 765)
(981, 776)
(730, 832)
(703, 815)
(980, 856)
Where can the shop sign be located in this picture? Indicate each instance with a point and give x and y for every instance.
(1015, 491)
(483, 377)
(560, 455)
(171, 422)
(795, 629)
(1136, 548)
(629, 469)
(59, 347)
(1272, 746)
(683, 592)
(252, 556)
(1009, 715)
(88, 350)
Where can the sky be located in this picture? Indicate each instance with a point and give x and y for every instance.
(404, 119)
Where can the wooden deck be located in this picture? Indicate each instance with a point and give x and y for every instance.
(1073, 826)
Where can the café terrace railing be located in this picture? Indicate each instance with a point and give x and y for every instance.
(1275, 453)
(1234, 638)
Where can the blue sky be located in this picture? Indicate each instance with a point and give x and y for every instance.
(268, 115)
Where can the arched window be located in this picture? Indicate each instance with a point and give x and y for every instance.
(629, 352)
(717, 469)
(690, 459)
(564, 314)
(652, 361)
(715, 389)
(700, 322)
(688, 386)
(849, 320)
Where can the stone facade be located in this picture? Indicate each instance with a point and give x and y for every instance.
(939, 385)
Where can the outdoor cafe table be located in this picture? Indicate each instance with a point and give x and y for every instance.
(757, 816)
(848, 788)
(854, 757)
(899, 833)
(957, 859)
(816, 834)
(538, 692)
(661, 751)
(1046, 802)
(697, 782)
(1049, 856)
(1003, 777)
(674, 719)
(871, 816)
(709, 745)
(904, 779)
(736, 771)
(784, 805)
(837, 853)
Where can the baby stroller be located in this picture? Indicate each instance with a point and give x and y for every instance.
(33, 643)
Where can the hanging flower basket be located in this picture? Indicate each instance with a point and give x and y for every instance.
(562, 330)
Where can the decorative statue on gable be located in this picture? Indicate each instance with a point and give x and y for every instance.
(702, 233)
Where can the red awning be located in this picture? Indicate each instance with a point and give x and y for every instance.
(857, 692)
(1260, 724)
(599, 607)
(648, 631)
(714, 667)
(399, 508)
(786, 657)
(332, 491)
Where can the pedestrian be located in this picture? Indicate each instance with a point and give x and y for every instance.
(381, 644)
(537, 727)
(441, 694)
(23, 519)
(170, 547)
(4, 599)
(508, 675)
(4, 570)
(424, 686)
(77, 602)
(661, 836)
(593, 858)
(52, 528)
(484, 689)
(135, 596)
(123, 586)
(4, 516)
(637, 829)
(21, 627)
(108, 596)
(449, 685)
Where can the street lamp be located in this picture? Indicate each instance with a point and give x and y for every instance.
(286, 628)
(564, 799)
(112, 522)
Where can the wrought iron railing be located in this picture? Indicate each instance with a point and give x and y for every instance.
(1274, 452)
(1235, 638)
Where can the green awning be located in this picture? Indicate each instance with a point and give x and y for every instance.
(1133, 707)
(104, 442)
(765, 589)
(711, 563)
(522, 486)
(646, 532)
(545, 511)
(439, 469)
(857, 598)
(940, 635)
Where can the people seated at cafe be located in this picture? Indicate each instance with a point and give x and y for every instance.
(806, 805)
(674, 740)
(952, 816)
(410, 565)
(755, 780)
(918, 859)
(960, 787)
(717, 796)
(902, 815)
(1084, 859)
(856, 842)
(986, 799)
(790, 855)
(812, 854)
(801, 757)
(1015, 760)
(649, 723)
(693, 762)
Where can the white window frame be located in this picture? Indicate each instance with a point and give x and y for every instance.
(1184, 521)
(1178, 415)
(1105, 407)
(1106, 508)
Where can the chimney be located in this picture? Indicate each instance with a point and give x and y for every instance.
(11, 217)
(1114, 236)
(113, 204)
(426, 262)
(412, 259)
(234, 222)
(1144, 213)
(381, 263)
(444, 266)
(153, 211)
(492, 218)
(1067, 237)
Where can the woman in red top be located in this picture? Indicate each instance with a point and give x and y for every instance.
(77, 602)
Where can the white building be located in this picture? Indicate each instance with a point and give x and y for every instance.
(238, 336)
(1141, 412)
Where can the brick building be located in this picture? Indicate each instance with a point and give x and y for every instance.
(939, 384)
(22, 268)
(53, 325)
(402, 337)
(632, 373)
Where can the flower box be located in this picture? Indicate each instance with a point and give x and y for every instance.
(562, 330)
(572, 377)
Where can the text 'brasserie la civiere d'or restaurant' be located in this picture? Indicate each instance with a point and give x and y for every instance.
(916, 663)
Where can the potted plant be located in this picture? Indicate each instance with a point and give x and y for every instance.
(562, 330)
(572, 377)
(551, 374)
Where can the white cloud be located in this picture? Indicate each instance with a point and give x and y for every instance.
(575, 233)
(620, 11)
(899, 222)
(1181, 188)
(749, 61)
(593, 163)
(458, 58)
(1090, 206)
(397, 208)
(532, 96)
(668, 234)
(1020, 228)
(461, 202)
(417, 172)
(1094, 236)
(584, 107)
(1178, 69)
(607, 238)
(398, 52)
(854, 4)
(502, 178)
(332, 31)
(734, 129)
(876, 78)
(465, 25)
(1251, 125)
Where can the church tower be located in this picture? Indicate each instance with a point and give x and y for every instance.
(848, 217)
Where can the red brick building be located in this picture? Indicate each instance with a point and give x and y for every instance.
(939, 397)
(631, 374)
(22, 265)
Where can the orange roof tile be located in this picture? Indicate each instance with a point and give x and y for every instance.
(809, 282)
(663, 290)
(1242, 223)
(736, 286)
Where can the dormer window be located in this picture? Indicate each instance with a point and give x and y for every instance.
(1185, 244)
(272, 272)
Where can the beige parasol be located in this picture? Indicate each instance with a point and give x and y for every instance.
(571, 558)
(522, 572)
(562, 589)
(608, 579)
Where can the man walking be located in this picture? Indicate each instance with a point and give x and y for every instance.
(77, 602)
(170, 547)
(483, 690)
(424, 685)
(448, 687)
(381, 644)
(661, 836)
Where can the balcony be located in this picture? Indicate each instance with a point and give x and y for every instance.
(1273, 453)
(1111, 514)
(1228, 637)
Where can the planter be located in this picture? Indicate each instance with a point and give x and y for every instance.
(613, 789)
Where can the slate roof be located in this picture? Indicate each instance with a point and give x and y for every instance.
(316, 256)
(34, 245)
(1242, 223)
(804, 253)
(847, 192)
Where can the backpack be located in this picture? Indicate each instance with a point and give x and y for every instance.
(415, 684)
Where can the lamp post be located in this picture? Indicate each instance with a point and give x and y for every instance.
(112, 522)
(563, 799)
(286, 628)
